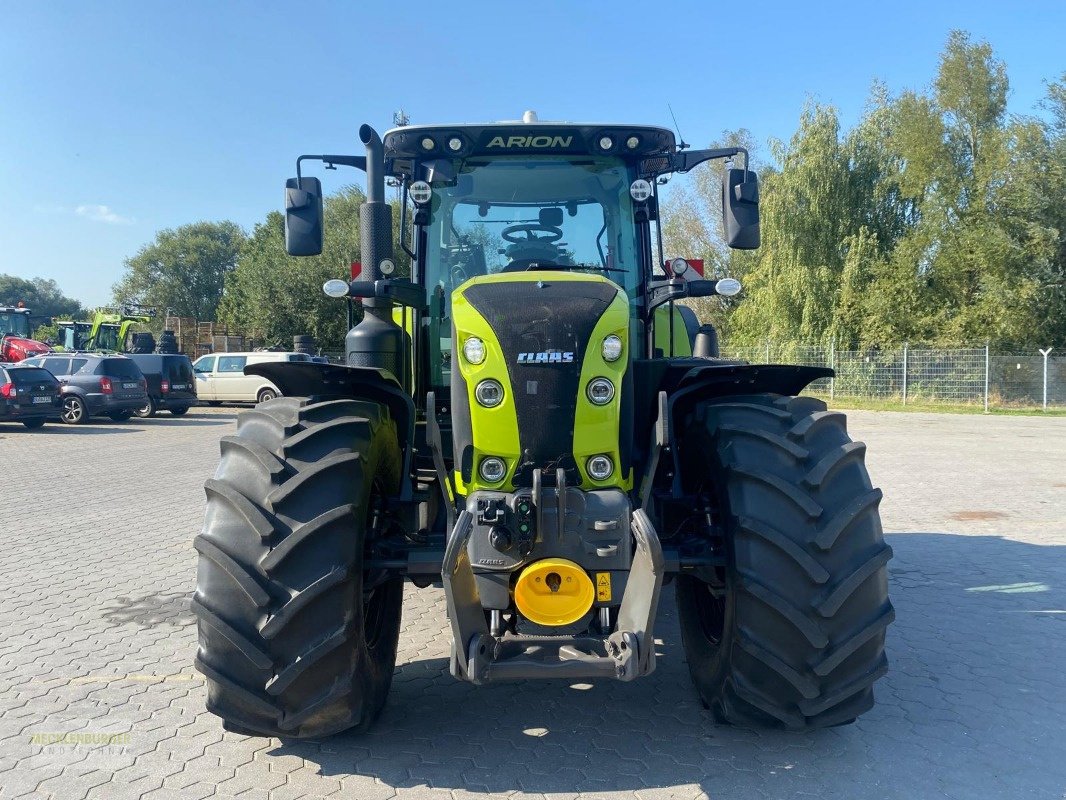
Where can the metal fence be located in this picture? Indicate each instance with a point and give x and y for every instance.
(912, 374)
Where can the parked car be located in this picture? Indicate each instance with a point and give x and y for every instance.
(28, 394)
(95, 384)
(171, 385)
(220, 377)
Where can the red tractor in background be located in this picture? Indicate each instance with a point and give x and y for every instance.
(16, 343)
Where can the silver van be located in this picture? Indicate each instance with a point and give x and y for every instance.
(220, 377)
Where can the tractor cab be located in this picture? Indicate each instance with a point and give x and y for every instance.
(16, 342)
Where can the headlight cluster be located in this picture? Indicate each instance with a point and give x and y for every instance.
(492, 469)
(489, 393)
(612, 347)
(600, 468)
(474, 350)
(600, 391)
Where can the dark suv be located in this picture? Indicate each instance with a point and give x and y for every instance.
(29, 395)
(171, 385)
(95, 384)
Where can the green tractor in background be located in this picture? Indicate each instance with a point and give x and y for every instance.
(112, 330)
(528, 421)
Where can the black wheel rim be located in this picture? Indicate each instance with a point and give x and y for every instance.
(375, 593)
(711, 613)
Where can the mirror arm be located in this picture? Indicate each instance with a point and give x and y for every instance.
(359, 162)
(402, 292)
(687, 159)
(660, 292)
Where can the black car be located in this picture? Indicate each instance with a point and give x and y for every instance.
(95, 384)
(171, 384)
(28, 394)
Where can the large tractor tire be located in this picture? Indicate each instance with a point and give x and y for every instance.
(296, 639)
(796, 638)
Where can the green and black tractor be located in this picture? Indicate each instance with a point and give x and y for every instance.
(529, 421)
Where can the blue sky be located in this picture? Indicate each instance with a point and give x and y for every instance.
(121, 118)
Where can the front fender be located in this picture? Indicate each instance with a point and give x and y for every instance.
(334, 381)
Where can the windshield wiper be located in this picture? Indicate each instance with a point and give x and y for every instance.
(550, 265)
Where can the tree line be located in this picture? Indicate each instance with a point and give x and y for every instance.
(937, 218)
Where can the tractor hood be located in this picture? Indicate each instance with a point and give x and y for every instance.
(529, 401)
(18, 348)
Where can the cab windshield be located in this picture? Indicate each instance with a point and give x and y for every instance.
(509, 214)
(513, 214)
(14, 323)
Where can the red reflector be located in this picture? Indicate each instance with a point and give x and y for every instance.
(105, 385)
(8, 390)
(357, 267)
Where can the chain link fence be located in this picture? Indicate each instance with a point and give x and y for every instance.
(926, 375)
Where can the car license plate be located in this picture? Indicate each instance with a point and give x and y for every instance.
(41, 400)
(131, 386)
(177, 386)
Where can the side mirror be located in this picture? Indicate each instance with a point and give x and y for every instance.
(740, 209)
(303, 216)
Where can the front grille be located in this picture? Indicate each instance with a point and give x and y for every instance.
(542, 317)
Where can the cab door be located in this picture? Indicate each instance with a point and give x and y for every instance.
(203, 368)
(231, 384)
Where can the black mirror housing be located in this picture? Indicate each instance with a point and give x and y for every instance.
(740, 209)
(303, 216)
(701, 288)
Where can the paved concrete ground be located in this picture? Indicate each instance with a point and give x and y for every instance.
(97, 641)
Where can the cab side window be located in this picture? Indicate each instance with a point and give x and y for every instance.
(204, 365)
(231, 363)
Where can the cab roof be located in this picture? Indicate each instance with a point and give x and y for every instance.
(521, 137)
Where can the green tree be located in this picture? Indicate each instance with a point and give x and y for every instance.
(183, 270)
(41, 295)
(276, 296)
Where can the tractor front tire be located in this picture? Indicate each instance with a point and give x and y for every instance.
(795, 638)
(293, 638)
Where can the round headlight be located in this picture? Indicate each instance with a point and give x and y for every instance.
(679, 266)
(599, 467)
(492, 469)
(428, 143)
(600, 391)
(420, 192)
(387, 266)
(727, 287)
(632, 142)
(455, 144)
(474, 350)
(489, 393)
(640, 190)
(612, 348)
(335, 288)
(606, 143)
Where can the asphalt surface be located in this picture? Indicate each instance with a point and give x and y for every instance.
(98, 697)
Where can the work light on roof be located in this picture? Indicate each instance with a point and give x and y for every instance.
(606, 143)
(455, 144)
(428, 143)
(633, 142)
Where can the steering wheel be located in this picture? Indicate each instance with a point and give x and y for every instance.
(530, 229)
